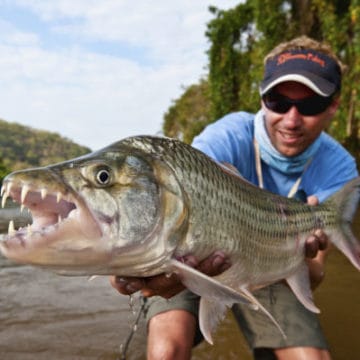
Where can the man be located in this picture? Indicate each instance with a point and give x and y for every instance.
(282, 149)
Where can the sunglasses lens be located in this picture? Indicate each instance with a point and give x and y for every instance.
(310, 106)
(313, 106)
(277, 103)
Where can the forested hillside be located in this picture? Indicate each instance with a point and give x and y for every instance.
(22, 147)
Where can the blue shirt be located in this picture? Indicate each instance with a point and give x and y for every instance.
(230, 140)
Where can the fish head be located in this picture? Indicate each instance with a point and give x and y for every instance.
(114, 211)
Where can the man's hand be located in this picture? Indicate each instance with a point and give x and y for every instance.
(170, 285)
(314, 243)
(318, 240)
(316, 248)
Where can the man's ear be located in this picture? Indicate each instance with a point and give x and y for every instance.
(334, 105)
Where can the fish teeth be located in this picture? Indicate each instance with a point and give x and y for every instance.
(44, 193)
(24, 191)
(29, 230)
(3, 199)
(11, 229)
(59, 197)
(92, 277)
(5, 193)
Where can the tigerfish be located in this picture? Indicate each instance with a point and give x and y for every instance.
(139, 205)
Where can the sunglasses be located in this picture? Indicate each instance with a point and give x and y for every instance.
(308, 106)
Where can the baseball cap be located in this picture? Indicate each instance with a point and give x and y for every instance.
(314, 69)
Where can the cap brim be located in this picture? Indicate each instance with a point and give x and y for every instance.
(317, 84)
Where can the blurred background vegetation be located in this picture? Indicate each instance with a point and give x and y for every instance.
(23, 147)
(240, 38)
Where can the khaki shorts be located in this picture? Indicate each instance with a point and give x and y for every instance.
(302, 327)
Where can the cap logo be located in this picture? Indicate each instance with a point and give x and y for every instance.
(285, 57)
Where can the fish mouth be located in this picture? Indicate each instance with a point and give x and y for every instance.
(56, 215)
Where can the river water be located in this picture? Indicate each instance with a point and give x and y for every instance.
(46, 316)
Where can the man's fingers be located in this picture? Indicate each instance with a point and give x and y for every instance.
(162, 285)
(168, 285)
(311, 247)
(126, 285)
(314, 243)
(318, 240)
(322, 239)
(312, 200)
(214, 264)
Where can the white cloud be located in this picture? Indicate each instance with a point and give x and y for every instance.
(12, 36)
(92, 96)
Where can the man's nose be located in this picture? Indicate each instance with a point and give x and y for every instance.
(292, 117)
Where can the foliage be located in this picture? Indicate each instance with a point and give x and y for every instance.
(4, 170)
(189, 114)
(228, 57)
(22, 147)
(242, 36)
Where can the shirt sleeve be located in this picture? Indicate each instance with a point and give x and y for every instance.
(229, 140)
(330, 170)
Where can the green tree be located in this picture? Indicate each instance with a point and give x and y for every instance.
(4, 170)
(189, 114)
(231, 43)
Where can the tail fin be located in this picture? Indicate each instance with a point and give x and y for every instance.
(346, 200)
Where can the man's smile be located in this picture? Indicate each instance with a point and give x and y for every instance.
(290, 137)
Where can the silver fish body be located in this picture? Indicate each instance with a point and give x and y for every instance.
(135, 207)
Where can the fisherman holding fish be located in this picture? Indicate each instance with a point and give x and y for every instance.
(283, 149)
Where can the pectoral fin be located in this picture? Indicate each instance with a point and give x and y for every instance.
(215, 297)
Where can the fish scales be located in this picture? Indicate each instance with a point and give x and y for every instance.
(137, 206)
(250, 215)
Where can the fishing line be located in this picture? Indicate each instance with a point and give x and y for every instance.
(142, 311)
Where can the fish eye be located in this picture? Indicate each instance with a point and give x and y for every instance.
(103, 177)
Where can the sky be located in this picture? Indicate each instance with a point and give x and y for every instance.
(98, 71)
